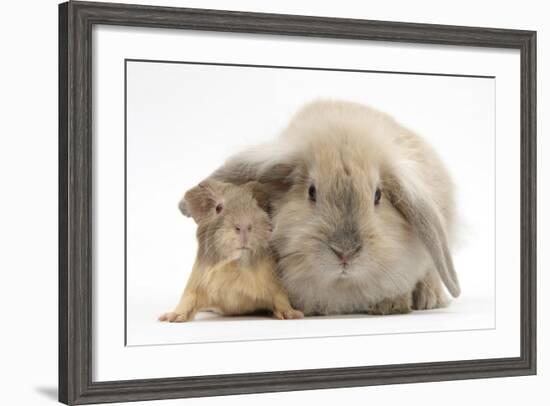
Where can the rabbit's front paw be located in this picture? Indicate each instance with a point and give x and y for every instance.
(398, 305)
(287, 314)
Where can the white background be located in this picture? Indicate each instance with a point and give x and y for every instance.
(29, 170)
(185, 120)
(113, 361)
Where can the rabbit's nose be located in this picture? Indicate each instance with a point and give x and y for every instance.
(344, 256)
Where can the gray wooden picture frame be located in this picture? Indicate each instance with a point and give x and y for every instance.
(76, 20)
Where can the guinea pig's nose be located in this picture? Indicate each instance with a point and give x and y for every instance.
(243, 227)
(243, 230)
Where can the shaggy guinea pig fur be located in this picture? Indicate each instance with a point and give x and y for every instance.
(234, 271)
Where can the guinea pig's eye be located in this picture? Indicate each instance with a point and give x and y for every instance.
(219, 208)
(312, 193)
(377, 196)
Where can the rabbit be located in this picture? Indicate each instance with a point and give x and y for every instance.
(362, 210)
(234, 271)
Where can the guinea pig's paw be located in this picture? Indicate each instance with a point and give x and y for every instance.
(429, 294)
(175, 317)
(398, 305)
(288, 314)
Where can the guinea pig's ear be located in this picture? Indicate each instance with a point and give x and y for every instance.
(201, 200)
(406, 195)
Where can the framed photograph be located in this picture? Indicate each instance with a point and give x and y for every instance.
(258, 202)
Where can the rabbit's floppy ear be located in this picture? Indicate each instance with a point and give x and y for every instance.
(272, 167)
(406, 195)
(261, 193)
(201, 199)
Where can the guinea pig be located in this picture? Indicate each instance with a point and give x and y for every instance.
(234, 271)
(362, 211)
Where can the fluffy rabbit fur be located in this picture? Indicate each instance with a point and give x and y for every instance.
(362, 210)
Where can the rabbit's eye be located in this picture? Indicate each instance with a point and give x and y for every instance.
(219, 208)
(377, 196)
(312, 193)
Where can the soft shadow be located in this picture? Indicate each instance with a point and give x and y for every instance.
(49, 392)
(206, 316)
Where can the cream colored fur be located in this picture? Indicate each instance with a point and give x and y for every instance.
(234, 272)
(233, 288)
